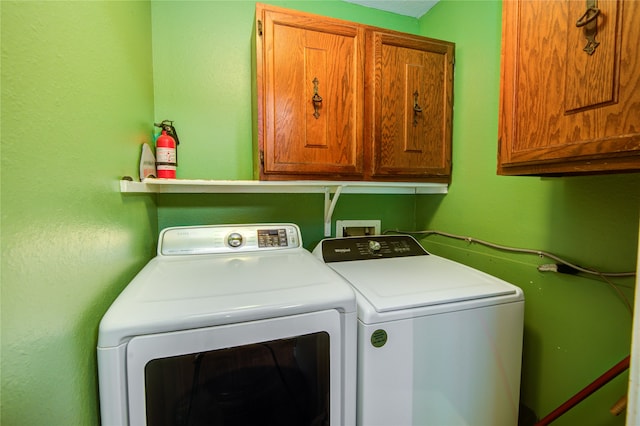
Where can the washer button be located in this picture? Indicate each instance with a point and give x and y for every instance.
(234, 239)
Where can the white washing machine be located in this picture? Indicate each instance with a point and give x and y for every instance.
(439, 343)
(230, 325)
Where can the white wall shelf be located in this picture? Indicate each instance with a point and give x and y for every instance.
(331, 189)
(199, 186)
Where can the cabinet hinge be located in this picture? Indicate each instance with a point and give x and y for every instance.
(262, 158)
(259, 27)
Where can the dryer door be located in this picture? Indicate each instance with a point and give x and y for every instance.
(282, 371)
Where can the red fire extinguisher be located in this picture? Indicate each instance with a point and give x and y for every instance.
(167, 151)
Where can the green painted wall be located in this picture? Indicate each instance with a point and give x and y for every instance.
(575, 328)
(202, 76)
(78, 97)
(77, 100)
(203, 81)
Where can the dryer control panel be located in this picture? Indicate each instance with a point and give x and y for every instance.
(189, 240)
(370, 247)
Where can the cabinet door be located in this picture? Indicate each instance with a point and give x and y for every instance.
(309, 73)
(410, 96)
(563, 109)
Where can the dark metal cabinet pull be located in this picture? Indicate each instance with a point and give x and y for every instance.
(416, 108)
(316, 99)
(589, 22)
(591, 14)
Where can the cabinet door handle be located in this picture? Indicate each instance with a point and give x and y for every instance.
(588, 16)
(590, 24)
(416, 108)
(316, 99)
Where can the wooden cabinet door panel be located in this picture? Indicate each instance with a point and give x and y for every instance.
(564, 110)
(411, 99)
(303, 58)
(339, 100)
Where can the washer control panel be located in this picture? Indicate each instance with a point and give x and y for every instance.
(370, 247)
(188, 240)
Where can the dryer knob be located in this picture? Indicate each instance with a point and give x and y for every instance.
(234, 239)
(374, 246)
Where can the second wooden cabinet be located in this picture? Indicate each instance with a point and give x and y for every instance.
(570, 87)
(343, 101)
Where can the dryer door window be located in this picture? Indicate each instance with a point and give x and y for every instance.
(214, 376)
(281, 382)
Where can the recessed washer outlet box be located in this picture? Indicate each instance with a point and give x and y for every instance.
(352, 228)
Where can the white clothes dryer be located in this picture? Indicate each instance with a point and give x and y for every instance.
(230, 325)
(439, 343)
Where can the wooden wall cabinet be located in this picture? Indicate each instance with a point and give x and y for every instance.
(337, 100)
(411, 93)
(310, 90)
(563, 109)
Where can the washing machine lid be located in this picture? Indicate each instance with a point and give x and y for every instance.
(180, 292)
(409, 282)
(393, 282)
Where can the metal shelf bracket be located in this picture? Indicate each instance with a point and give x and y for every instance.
(329, 206)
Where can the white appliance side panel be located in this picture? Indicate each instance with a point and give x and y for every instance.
(113, 386)
(633, 410)
(455, 368)
(350, 372)
(143, 349)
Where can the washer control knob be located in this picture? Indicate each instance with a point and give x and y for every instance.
(234, 239)
(374, 246)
